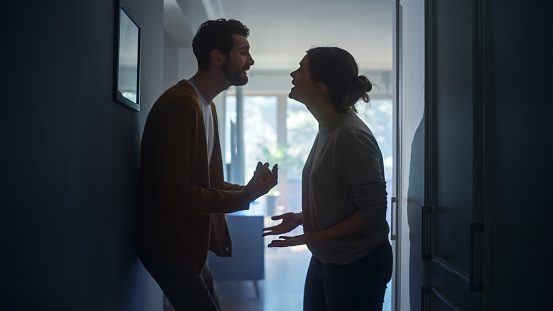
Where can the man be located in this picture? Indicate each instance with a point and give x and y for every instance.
(182, 194)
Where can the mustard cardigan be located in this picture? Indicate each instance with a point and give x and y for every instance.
(182, 199)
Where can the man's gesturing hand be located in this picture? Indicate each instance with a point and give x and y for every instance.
(262, 181)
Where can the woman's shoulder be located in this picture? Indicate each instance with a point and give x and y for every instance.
(354, 133)
(351, 124)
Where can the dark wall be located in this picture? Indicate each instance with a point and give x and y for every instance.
(69, 157)
(518, 157)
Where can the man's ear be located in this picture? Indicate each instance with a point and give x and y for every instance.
(217, 57)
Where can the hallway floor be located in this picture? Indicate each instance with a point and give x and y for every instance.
(282, 288)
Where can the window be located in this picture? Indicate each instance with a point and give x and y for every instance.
(260, 130)
(262, 142)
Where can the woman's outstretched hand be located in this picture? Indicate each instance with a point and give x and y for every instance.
(351, 225)
(286, 241)
(289, 222)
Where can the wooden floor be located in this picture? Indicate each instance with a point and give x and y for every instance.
(282, 288)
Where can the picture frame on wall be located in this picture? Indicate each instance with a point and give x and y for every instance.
(127, 59)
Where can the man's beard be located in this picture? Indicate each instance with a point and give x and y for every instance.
(234, 77)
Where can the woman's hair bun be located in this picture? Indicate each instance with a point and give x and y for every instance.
(363, 83)
(358, 89)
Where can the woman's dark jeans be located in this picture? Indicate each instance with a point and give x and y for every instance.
(359, 285)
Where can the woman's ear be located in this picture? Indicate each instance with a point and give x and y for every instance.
(321, 87)
(217, 57)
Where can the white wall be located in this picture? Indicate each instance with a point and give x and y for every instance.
(411, 107)
(170, 61)
(187, 63)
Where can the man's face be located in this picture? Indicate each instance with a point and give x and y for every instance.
(238, 61)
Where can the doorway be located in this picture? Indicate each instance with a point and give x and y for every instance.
(279, 130)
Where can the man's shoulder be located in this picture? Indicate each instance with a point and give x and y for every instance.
(179, 96)
(182, 90)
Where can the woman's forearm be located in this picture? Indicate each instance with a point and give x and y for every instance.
(351, 225)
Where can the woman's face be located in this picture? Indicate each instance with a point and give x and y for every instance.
(303, 86)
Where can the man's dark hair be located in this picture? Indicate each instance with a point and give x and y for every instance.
(216, 34)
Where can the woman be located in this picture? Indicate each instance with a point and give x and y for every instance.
(343, 190)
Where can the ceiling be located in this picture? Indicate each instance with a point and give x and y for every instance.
(282, 30)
